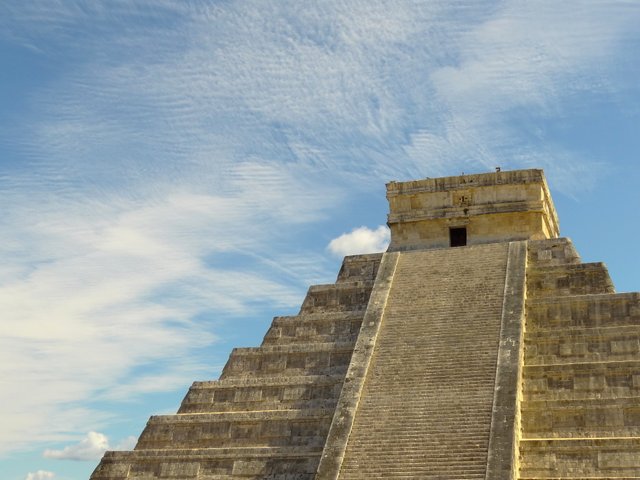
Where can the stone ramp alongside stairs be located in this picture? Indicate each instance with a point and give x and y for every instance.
(426, 405)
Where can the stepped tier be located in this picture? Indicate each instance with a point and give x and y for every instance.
(269, 414)
(314, 359)
(581, 380)
(275, 463)
(572, 279)
(555, 251)
(580, 411)
(587, 458)
(583, 311)
(587, 418)
(260, 428)
(316, 327)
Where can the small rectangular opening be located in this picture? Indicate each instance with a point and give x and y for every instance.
(458, 236)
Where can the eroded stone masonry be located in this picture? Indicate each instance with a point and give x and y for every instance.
(478, 346)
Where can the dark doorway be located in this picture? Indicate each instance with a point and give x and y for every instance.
(458, 237)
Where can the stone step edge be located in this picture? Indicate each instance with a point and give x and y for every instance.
(344, 285)
(583, 442)
(575, 433)
(570, 395)
(213, 452)
(268, 381)
(585, 364)
(534, 269)
(318, 317)
(572, 402)
(208, 407)
(572, 332)
(591, 297)
(251, 415)
(295, 348)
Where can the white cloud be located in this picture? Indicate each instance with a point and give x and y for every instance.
(40, 475)
(360, 240)
(92, 447)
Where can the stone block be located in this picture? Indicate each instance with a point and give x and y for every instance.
(572, 349)
(180, 470)
(248, 395)
(295, 393)
(536, 385)
(249, 467)
(624, 346)
(618, 460)
(590, 382)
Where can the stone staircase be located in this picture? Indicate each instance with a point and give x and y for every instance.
(268, 415)
(426, 405)
(580, 410)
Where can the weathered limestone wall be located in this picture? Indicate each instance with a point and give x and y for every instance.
(581, 397)
(269, 414)
(426, 405)
(487, 228)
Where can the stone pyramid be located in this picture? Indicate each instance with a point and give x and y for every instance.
(478, 346)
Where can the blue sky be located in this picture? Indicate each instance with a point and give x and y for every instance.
(172, 174)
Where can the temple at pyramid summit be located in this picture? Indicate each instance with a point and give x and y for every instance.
(478, 346)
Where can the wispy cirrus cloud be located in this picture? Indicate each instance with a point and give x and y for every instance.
(525, 58)
(433, 85)
(95, 290)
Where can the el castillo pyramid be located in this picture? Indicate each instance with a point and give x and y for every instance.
(478, 346)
